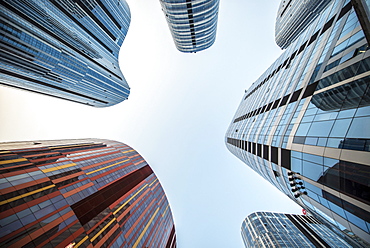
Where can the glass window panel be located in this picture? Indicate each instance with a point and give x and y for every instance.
(365, 111)
(346, 113)
(360, 128)
(14, 226)
(308, 118)
(354, 179)
(312, 170)
(28, 219)
(24, 213)
(356, 37)
(296, 154)
(347, 56)
(334, 142)
(324, 202)
(322, 141)
(299, 139)
(313, 158)
(340, 128)
(354, 144)
(320, 129)
(313, 188)
(323, 117)
(330, 162)
(331, 177)
(313, 196)
(311, 141)
(296, 165)
(338, 210)
(303, 129)
(340, 47)
(357, 221)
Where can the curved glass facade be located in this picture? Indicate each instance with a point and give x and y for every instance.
(267, 229)
(293, 17)
(67, 49)
(192, 23)
(304, 124)
(83, 193)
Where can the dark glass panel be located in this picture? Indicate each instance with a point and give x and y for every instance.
(348, 178)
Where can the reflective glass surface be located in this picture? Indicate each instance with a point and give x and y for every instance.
(94, 193)
(66, 49)
(267, 229)
(192, 23)
(309, 112)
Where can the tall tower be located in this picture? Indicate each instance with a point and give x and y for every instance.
(192, 23)
(66, 49)
(267, 229)
(293, 17)
(83, 193)
(304, 124)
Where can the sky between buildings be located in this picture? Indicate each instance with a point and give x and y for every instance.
(176, 117)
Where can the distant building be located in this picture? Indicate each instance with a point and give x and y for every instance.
(267, 229)
(66, 49)
(88, 192)
(192, 23)
(304, 124)
(293, 17)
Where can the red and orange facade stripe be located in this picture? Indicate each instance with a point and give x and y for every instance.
(93, 193)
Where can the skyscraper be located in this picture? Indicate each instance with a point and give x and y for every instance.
(304, 124)
(66, 49)
(88, 192)
(293, 17)
(192, 23)
(267, 229)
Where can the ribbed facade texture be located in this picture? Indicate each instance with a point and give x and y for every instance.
(293, 17)
(304, 124)
(86, 193)
(267, 229)
(66, 49)
(192, 23)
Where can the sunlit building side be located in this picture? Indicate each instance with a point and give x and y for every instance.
(66, 49)
(192, 23)
(267, 229)
(304, 124)
(81, 193)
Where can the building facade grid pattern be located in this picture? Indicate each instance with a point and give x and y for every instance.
(293, 17)
(66, 49)
(311, 119)
(267, 229)
(193, 23)
(94, 193)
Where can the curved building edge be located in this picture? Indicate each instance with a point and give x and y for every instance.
(83, 193)
(293, 17)
(273, 229)
(192, 24)
(66, 49)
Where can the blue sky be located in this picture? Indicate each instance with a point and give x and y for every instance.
(176, 117)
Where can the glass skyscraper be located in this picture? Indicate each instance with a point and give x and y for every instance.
(293, 17)
(66, 49)
(192, 23)
(82, 193)
(267, 229)
(304, 125)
